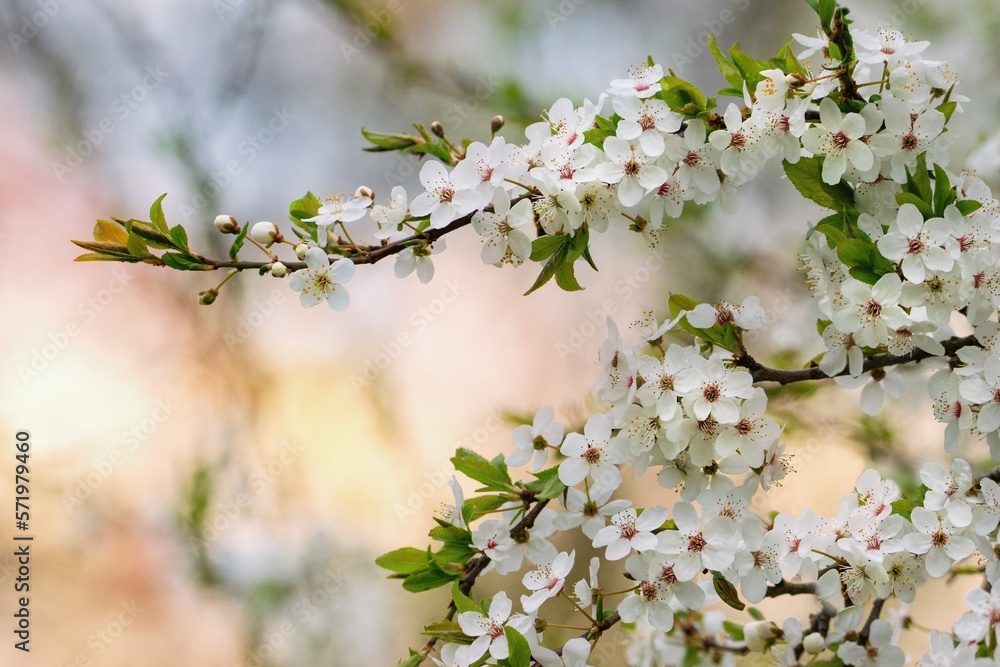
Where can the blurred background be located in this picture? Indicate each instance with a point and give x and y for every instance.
(212, 484)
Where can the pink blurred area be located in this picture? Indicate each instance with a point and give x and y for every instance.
(325, 436)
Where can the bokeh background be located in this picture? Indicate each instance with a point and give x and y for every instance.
(212, 484)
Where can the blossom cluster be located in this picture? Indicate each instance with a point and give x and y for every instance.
(904, 254)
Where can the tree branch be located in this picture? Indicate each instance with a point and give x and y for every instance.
(762, 373)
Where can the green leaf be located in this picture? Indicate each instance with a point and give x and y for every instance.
(413, 661)
(727, 592)
(547, 485)
(474, 466)
(545, 246)
(919, 182)
(948, 109)
(462, 601)
(101, 257)
(807, 177)
(755, 614)
(433, 145)
(449, 631)
(382, 141)
(478, 506)
(450, 534)
(179, 237)
(156, 216)
(184, 262)
(726, 66)
(944, 195)
(749, 68)
(683, 97)
(735, 630)
(903, 507)
(520, 651)
(825, 11)
(548, 270)
(152, 236)
(110, 232)
(136, 244)
(828, 662)
(814, 4)
(406, 560)
(924, 207)
(428, 579)
(692, 657)
(237, 245)
(968, 206)
(453, 552)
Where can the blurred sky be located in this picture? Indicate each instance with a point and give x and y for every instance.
(138, 399)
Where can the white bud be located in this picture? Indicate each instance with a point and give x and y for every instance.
(759, 634)
(814, 643)
(364, 191)
(265, 233)
(279, 270)
(300, 251)
(227, 224)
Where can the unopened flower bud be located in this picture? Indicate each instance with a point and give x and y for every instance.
(795, 80)
(758, 635)
(496, 123)
(279, 270)
(814, 643)
(438, 129)
(265, 233)
(207, 298)
(300, 251)
(365, 191)
(227, 224)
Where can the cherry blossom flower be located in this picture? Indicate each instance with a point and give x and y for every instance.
(696, 159)
(534, 441)
(712, 391)
(905, 138)
(504, 230)
(447, 197)
(488, 629)
(839, 140)
(918, 246)
(631, 168)
(659, 585)
(698, 547)
(642, 82)
(546, 580)
(594, 453)
(939, 538)
(589, 515)
(339, 209)
(646, 120)
(880, 651)
(758, 564)
(321, 281)
(948, 490)
(875, 384)
(985, 392)
(870, 311)
(628, 532)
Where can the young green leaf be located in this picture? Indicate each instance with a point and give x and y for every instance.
(406, 560)
(462, 601)
(474, 466)
(807, 177)
(156, 216)
(520, 650)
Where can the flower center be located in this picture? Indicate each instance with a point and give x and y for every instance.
(711, 392)
(915, 246)
(446, 195)
(646, 122)
(632, 167)
(648, 591)
(910, 142)
(873, 310)
(692, 159)
(697, 543)
(840, 141)
(592, 455)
